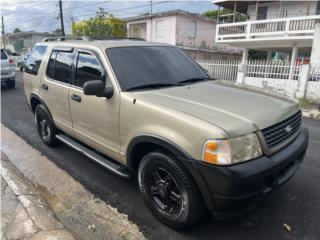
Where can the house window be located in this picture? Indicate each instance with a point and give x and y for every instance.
(318, 9)
(159, 28)
(262, 13)
(192, 29)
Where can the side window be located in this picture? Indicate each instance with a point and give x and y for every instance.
(60, 66)
(88, 69)
(35, 59)
(51, 64)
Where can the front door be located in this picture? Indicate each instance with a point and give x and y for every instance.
(56, 85)
(95, 119)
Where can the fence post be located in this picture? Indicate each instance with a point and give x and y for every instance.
(303, 81)
(241, 72)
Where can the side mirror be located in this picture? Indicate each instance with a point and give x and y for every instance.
(97, 88)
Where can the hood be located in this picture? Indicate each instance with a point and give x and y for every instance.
(235, 109)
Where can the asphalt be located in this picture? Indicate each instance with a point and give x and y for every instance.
(296, 204)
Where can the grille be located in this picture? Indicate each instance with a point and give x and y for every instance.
(282, 131)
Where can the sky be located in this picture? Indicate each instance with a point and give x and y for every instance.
(40, 15)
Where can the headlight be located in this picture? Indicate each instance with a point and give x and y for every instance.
(231, 151)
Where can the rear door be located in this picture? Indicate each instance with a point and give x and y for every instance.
(95, 119)
(55, 87)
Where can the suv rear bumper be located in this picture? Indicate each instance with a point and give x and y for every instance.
(8, 77)
(234, 189)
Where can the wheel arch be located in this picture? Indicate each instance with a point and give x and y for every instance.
(35, 100)
(141, 145)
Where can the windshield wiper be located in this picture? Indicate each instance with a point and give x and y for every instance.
(151, 85)
(193, 80)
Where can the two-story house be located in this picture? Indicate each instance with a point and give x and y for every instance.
(285, 28)
(193, 33)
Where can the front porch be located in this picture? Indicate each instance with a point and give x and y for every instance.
(281, 32)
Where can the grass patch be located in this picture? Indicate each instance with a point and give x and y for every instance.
(307, 103)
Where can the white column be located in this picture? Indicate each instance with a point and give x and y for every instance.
(269, 55)
(315, 51)
(294, 55)
(303, 81)
(245, 55)
(243, 66)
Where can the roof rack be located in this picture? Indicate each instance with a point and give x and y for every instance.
(64, 38)
(87, 38)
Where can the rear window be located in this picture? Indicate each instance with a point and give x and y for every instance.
(60, 66)
(3, 55)
(35, 59)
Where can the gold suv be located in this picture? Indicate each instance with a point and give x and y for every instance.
(195, 143)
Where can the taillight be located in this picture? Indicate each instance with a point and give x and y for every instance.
(11, 61)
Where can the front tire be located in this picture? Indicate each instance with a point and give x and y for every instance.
(169, 190)
(45, 126)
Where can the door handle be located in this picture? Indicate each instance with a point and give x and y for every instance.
(76, 98)
(45, 87)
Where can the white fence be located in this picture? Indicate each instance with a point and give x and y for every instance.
(221, 69)
(272, 69)
(295, 80)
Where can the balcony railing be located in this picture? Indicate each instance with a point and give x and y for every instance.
(299, 27)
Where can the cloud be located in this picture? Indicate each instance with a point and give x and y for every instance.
(37, 15)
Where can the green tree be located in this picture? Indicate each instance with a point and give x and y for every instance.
(58, 31)
(97, 26)
(257, 54)
(213, 14)
(17, 30)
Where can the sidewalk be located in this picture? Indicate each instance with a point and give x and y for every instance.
(24, 213)
(81, 212)
(311, 113)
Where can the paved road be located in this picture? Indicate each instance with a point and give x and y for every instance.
(297, 203)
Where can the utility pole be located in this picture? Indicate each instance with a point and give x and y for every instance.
(72, 27)
(61, 18)
(3, 37)
(151, 23)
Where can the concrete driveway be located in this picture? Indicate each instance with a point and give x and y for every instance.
(296, 204)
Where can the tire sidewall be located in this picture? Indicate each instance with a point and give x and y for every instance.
(51, 140)
(156, 159)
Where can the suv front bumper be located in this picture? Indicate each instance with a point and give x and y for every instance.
(234, 189)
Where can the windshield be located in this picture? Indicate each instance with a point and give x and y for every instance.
(136, 67)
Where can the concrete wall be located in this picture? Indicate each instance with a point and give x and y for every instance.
(177, 30)
(204, 36)
(164, 29)
(286, 87)
(293, 9)
(201, 55)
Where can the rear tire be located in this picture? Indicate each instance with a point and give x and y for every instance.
(11, 83)
(169, 190)
(45, 126)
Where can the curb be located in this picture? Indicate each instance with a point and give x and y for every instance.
(311, 113)
(46, 226)
(82, 214)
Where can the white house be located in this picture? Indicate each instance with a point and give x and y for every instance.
(191, 32)
(24, 41)
(285, 27)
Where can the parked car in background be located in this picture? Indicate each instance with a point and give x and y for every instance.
(8, 74)
(22, 63)
(148, 109)
(15, 57)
